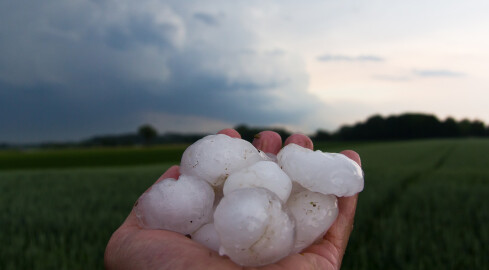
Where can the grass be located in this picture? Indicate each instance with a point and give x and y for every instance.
(426, 209)
(89, 157)
(62, 219)
(424, 205)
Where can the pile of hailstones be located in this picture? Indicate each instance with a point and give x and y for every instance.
(254, 207)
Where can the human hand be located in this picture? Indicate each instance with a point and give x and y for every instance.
(132, 247)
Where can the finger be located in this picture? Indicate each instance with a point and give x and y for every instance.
(268, 142)
(172, 172)
(230, 132)
(340, 231)
(300, 139)
(353, 156)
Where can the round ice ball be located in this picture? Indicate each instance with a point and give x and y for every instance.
(265, 174)
(214, 157)
(327, 173)
(253, 227)
(314, 213)
(181, 205)
(207, 236)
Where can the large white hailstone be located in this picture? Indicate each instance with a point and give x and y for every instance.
(207, 236)
(181, 205)
(265, 174)
(253, 227)
(314, 213)
(214, 157)
(327, 173)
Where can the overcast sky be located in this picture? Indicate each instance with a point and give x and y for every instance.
(71, 69)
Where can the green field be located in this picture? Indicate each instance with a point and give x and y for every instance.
(425, 204)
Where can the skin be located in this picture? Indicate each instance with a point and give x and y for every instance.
(132, 247)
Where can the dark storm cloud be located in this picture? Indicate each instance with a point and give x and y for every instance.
(139, 31)
(348, 58)
(42, 112)
(198, 92)
(209, 19)
(94, 67)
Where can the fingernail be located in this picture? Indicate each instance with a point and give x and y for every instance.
(230, 132)
(300, 139)
(268, 142)
(353, 156)
(257, 142)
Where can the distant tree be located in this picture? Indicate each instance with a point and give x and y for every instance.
(404, 126)
(477, 128)
(245, 132)
(248, 133)
(450, 128)
(148, 133)
(464, 127)
(374, 128)
(322, 135)
(348, 133)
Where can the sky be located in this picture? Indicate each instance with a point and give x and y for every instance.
(73, 69)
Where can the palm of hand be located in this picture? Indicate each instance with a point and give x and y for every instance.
(132, 247)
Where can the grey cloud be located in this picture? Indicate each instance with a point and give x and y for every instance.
(425, 73)
(277, 52)
(347, 58)
(369, 58)
(140, 31)
(437, 73)
(202, 92)
(46, 111)
(103, 73)
(392, 78)
(209, 19)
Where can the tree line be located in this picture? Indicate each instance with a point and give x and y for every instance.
(407, 126)
(394, 127)
(148, 135)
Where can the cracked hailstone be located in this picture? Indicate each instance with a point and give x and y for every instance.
(253, 227)
(214, 157)
(327, 173)
(265, 174)
(314, 213)
(180, 206)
